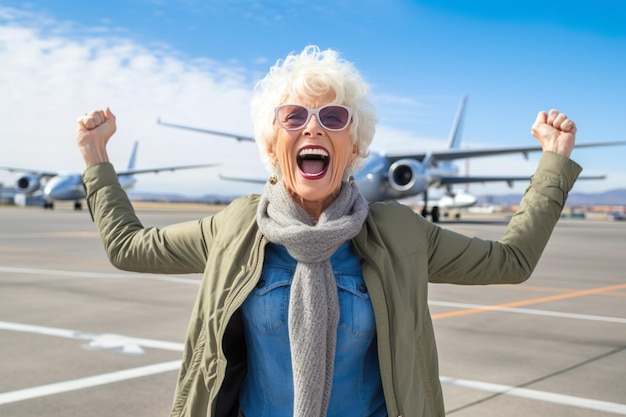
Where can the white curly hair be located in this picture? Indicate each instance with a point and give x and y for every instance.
(313, 73)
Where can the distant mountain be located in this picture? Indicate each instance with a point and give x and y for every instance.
(612, 197)
(606, 198)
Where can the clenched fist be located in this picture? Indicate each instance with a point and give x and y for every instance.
(555, 132)
(93, 131)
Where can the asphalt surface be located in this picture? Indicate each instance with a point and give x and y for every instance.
(80, 338)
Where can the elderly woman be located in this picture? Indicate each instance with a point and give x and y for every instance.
(314, 303)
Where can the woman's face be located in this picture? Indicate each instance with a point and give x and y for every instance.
(312, 159)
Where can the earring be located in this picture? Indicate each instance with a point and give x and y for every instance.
(350, 172)
(274, 175)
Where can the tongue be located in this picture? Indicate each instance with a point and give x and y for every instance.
(312, 166)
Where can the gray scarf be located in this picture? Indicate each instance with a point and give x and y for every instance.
(313, 303)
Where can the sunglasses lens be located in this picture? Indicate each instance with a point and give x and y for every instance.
(292, 116)
(334, 117)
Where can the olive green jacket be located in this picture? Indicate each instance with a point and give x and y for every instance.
(401, 253)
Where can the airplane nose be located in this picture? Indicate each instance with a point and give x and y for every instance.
(51, 189)
(63, 187)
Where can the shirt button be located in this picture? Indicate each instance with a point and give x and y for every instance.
(363, 288)
(261, 283)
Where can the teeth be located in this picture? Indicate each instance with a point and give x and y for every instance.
(312, 151)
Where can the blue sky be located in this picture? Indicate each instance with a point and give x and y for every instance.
(195, 62)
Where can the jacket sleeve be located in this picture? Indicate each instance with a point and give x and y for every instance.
(454, 258)
(176, 249)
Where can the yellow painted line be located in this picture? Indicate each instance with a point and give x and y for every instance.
(531, 301)
(552, 289)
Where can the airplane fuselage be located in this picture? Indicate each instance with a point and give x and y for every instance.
(65, 187)
(69, 187)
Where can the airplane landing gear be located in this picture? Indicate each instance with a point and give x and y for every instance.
(435, 213)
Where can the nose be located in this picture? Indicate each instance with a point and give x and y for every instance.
(313, 127)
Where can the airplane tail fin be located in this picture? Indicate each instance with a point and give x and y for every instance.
(127, 181)
(133, 157)
(454, 141)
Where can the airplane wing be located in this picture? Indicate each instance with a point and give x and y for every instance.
(212, 132)
(441, 181)
(448, 154)
(456, 153)
(159, 169)
(45, 174)
(253, 180)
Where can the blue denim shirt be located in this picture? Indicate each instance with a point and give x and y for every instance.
(268, 387)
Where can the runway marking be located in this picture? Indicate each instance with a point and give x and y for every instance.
(531, 312)
(97, 340)
(118, 376)
(553, 289)
(106, 275)
(530, 301)
(88, 382)
(569, 400)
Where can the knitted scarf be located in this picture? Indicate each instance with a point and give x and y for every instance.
(313, 303)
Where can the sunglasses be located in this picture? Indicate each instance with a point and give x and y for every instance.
(332, 117)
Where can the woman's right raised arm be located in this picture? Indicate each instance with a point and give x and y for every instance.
(177, 249)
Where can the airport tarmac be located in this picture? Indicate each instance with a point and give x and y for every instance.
(80, 338)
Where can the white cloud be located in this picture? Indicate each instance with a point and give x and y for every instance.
(47, 81)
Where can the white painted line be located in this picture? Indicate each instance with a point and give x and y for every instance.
(92, 381)
(107, 275)
(568, 400)
(46, 331)
(531, 311)
(96, 339)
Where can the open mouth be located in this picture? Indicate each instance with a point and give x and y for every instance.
(313, 162)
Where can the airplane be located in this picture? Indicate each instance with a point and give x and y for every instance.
(398, 175)
(51, 186)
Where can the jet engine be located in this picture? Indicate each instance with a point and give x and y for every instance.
(28, 183)
(407, 176)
